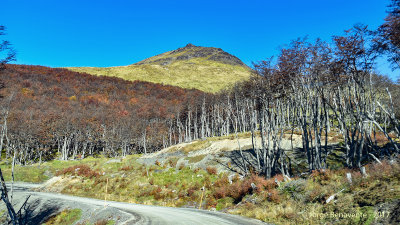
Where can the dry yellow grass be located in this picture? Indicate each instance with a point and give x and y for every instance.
(199, 73)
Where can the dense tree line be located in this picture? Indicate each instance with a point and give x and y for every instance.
(49, 110)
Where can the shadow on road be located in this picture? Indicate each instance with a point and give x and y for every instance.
(37, 212)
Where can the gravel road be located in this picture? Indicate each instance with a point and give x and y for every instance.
(42, 205)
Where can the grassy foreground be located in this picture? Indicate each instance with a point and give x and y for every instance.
(303, 200)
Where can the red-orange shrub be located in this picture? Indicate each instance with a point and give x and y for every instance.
(79, 170)
(211, 170)
(126, 168)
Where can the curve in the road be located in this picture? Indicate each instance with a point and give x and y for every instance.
(146, 214)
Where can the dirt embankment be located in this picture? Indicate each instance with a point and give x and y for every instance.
(222, 154)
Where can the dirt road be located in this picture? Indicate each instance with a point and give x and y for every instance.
(42, 205)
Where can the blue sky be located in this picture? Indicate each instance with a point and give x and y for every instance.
(112, 33)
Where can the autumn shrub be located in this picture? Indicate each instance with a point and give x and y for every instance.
(220, 193)
(211, 170)
(211, 202)
(261, 183)
(235, 178)
(207, 182)
(144, 191)
(123, 185)
(151, 181)
(172, 161)
(238, 190)
(99, 180)
(144, 171)
(273, 196)
(222, 181)
(318, 194)
(181, 194)
(170, 194)
(126, 168)
(322, 176)
(356, 179)
(101, 222)
(156, 192)
(278, 177)
(197, 169)
(191, 191)
(384, 171)
(79, 170)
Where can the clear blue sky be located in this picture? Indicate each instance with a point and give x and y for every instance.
(112, 33)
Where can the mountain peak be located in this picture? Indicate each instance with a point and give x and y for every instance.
(190, 45)
(191, 51)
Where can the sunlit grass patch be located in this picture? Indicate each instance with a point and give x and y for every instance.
(30, 173)
(195, 159)
(196, 145)
(66, 217)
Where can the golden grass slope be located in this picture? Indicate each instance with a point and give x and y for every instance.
(196, 72)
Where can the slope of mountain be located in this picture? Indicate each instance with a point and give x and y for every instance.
(204, 68)
(54, 100)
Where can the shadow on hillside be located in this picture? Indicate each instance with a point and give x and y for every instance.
(298, 159)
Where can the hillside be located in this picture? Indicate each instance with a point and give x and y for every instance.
(49, 104)
(204, 68)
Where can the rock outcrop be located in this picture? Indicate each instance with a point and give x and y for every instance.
(192, 51)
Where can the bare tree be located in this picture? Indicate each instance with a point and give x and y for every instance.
(6, 50)
(388, 34)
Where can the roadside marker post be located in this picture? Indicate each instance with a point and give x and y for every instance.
(105, 196)
(202, 194)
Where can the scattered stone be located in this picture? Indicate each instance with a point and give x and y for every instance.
(333, 197)
(363, 171)
(348, 176)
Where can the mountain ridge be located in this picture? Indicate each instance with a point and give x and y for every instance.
(193, 51)
(208, 69)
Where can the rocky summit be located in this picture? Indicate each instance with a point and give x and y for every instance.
(192, 51)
